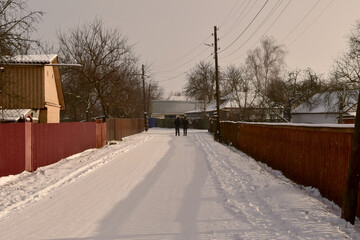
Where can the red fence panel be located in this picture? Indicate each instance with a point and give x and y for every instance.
(12, 148)
(52, 142)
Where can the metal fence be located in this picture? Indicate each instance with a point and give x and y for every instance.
(27, 146)
(12, 148)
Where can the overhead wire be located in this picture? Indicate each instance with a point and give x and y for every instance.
(227, 18)
(240, 17)
(230, 16)
(196, 56)
(273, 23)
(308, 27)
(177, 76)
(237, 38)
(186, 55)
(301, 21)
(271, 12)
(202, 43)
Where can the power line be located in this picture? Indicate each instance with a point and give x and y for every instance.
(276, 6)
(273, 23)
(196, 56)
(183, 73)
(239, 19)
(232, 9)
(184, 56)
(246, 27)
(166, 80)
(301, 21)
(322, 12)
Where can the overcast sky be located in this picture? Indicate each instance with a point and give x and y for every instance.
(170, 34)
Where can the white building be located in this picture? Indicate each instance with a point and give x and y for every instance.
(172, 106)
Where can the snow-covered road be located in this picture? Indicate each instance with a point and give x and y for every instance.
(157, 186)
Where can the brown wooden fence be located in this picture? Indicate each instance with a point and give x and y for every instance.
(117, 128)
(310, 156)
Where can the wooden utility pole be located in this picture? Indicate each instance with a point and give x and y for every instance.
(217, 135)
(350, 202)
(144, 98)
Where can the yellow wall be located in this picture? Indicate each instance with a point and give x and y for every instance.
(51, 96)
(50, 115)
(53, 114)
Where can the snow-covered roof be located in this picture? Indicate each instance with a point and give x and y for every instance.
(229, 101)
(30, 59)
(13, 115)
(327, 102)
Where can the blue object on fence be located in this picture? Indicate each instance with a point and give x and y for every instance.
(152, 122)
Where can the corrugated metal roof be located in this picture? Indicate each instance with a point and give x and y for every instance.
(30, 59)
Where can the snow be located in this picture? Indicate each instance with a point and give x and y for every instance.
(311, 125)
(328, 102)
(154, 185)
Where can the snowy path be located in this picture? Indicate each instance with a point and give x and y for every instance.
(157, 186)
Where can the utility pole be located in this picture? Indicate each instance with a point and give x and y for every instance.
(144, 98)
(217, 135)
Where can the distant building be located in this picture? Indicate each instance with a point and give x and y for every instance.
(31, 82)
(172, 106)
(325, 108)
(239, 107)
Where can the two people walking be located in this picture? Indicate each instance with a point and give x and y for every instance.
(178, 122)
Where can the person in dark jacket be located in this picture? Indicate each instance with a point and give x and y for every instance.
(177, 126)
(185, 124)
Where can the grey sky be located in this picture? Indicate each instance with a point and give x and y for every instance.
(169, 34)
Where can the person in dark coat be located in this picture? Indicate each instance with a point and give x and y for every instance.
(177, 126)
(185, 124)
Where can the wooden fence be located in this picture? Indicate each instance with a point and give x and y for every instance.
(310, 156)
(117, 128)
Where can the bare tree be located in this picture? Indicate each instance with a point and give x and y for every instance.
(108, 78)
(238, 83)
(264, 65)
(17, 22)
(297, 88)
(201, 83)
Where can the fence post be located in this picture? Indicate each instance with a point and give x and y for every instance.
(100, 133)
(29, 163)
(103, 134)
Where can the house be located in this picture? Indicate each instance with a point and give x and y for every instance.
(31, 82)
(171, 107)
(239, 106)
(328, 108)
